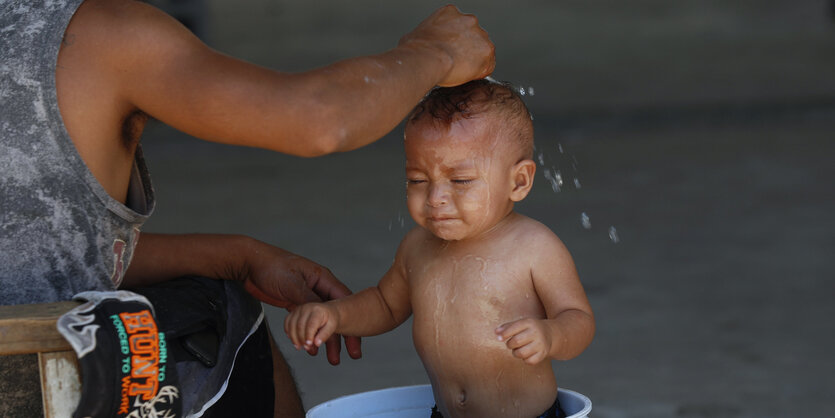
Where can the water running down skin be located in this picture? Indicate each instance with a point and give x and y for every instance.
(494, 294)
(122, 61)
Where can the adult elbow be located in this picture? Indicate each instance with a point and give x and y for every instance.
(325, 140)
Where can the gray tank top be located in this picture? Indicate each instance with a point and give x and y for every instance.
(60, 232)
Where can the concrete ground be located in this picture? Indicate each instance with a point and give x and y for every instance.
(703, 132)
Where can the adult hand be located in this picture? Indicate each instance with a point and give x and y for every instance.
(286, 280)
(459, 37)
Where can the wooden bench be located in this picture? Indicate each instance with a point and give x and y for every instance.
(39, 374)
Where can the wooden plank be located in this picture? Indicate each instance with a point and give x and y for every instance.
(20, 387)
(60, 383)
(31, 328)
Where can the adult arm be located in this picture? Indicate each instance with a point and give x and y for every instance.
(272, 275)
(157, 66)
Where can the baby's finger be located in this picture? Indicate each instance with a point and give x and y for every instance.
(523, 352)
(300, 326)
(290, 329)
(315, 322)
(521, 339)
(510, 329)
(529, 354)
(325, 331)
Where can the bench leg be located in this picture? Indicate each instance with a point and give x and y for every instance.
(60, 383)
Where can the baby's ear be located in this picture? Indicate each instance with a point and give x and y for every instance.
(522, 175)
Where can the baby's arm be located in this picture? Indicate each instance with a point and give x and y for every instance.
(370, 312)
(569, 325)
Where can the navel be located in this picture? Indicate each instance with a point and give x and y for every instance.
(462, 398)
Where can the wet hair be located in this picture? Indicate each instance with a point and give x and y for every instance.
(445, 105)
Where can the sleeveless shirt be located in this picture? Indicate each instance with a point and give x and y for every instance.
(60, 232)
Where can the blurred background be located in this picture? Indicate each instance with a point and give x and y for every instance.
(694, 141)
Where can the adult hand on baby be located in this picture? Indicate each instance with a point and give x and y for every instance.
(461, 39)
(311, 324)
(286, 280)
(529, 339)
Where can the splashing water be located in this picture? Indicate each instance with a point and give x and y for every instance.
(555, 178)
(613, 235)
(400, 220)
(584, 219)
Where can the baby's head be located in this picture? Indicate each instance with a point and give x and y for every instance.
(468, 158)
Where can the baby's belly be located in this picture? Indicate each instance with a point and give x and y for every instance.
(475, 375)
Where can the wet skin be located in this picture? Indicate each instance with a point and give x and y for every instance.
(460, 292)
(495, 295)
(468, 273)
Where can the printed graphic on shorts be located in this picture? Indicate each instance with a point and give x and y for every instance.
(78, 328)
(143, 367)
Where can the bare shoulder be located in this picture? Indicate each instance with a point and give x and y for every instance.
(538, 244)
(119, 29)
(414, 241)
(535, 233)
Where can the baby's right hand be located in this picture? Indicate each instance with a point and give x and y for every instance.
(311, 324)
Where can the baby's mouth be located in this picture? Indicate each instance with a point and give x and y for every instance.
(441, 219)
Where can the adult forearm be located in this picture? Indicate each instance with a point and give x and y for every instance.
(157, 66)
(160, 257)
(357, 101)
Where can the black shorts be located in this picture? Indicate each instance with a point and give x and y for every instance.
(555, 411)
(220, 344)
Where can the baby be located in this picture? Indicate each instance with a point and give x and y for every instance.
(495, 295)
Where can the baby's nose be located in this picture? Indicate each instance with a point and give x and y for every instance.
(438, 196)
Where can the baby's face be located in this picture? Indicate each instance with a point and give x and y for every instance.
(456, 187)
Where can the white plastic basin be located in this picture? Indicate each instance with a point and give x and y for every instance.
(416, 402)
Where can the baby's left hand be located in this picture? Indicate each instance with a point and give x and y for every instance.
(529, 339)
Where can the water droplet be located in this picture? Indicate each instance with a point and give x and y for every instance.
(584, 219)
(613, 235)
(555, 178)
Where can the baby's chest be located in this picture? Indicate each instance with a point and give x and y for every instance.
(472, 287)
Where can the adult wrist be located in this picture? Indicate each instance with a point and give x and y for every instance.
(443, 60)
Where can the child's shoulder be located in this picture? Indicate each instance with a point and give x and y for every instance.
(522, 224)
(533, 234)
(415, 239)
